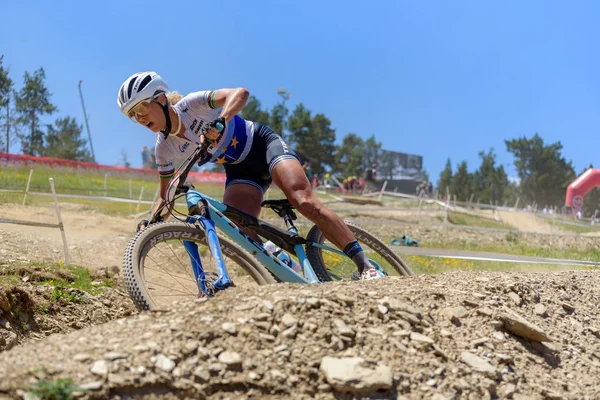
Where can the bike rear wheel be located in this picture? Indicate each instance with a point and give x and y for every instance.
(157, 268)
(332, 266)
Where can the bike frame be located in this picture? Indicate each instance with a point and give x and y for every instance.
(213, 215)
(210, 214)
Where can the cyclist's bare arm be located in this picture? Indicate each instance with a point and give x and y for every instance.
(232, 101)
(164, 183)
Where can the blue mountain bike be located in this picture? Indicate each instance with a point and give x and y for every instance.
(187, 258)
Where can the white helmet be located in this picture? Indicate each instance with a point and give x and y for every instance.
(139, 86)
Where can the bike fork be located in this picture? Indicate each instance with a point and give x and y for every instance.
(223, 281)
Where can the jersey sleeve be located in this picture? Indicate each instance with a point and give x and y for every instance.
(203, 101)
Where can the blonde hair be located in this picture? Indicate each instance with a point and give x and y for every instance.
(174, 97)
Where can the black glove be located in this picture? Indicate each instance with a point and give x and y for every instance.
(218, 124)
(142, 225)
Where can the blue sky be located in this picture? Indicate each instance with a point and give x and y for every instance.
(435, 78)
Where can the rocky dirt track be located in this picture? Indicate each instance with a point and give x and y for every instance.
(451, 336)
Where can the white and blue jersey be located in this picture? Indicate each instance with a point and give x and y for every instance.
(196, 111)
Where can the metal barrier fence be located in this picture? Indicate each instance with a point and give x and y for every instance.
(60, 225)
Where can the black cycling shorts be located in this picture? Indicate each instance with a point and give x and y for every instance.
(268, 148)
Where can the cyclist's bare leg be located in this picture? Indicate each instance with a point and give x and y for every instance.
(246, 198)
(289, 177)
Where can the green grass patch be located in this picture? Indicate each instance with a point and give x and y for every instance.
(57, 275)
(58, 389)
(576, 228)
(436, 265)
(88, 183)
(516, 248)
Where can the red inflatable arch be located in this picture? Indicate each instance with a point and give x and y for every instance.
(580, 186)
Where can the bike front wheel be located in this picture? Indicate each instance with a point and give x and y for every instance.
(158, 270)
(332, 266)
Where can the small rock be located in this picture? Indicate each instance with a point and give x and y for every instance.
(229, 327)
(82, 357)
(439, 352)
(486, 311)
(379, 330)
(262, 317)
(519, 326)
(382, 309)
(290, 333)
(288, 320)
(498, 336)
(268, 305)
(470, 303)
(397, 305)
(4, 323)
(355, 375)
(402, 333)
(503, 358)
(515, 298)
(594, 331)
(216, 368)
(343, 329)
(551, 394)
(278, 375)
(509, 390)
(568, 308)
(313, 302)
(94, 385)
(280, 348)
(445, 333)
(455, 313)
(540, 310)
(100, 367)
(417, 337)
(477, 363)
(230, 358)
(9, 338)
(349, 301)
(118, 380)
(115, 356)
(202, 374)
(478, 342)
(164, 363)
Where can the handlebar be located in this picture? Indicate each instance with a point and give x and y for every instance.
(201, 156)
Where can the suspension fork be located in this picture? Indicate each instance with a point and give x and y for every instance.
(198, 208)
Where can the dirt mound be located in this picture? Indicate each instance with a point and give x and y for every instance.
(526, 222)
(459, 335)
(31, 311)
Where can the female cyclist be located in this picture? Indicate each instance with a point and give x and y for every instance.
(253, 154)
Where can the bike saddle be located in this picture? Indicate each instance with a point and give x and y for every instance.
(279, 206)
(276, 203)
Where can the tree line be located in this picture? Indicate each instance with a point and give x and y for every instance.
(543, 177)
(543, 172)
(314, 139)
(21, 112)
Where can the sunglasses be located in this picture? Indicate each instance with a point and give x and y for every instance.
(141, 108)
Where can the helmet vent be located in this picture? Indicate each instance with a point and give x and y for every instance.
(144, 82)
(130, 87)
